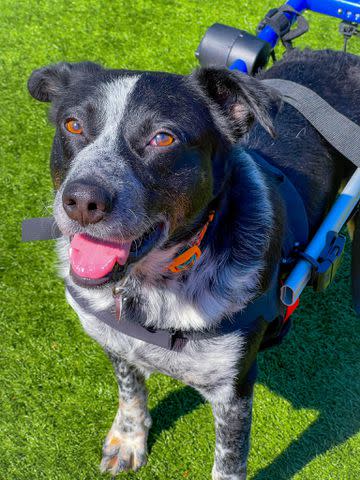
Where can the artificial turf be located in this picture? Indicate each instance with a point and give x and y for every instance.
(58, 395)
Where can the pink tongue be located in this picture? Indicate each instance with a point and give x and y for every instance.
(94, 259)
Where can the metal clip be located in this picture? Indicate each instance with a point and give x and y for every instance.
(325, 268)
(348, 30)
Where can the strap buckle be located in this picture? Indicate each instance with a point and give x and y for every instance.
(324, 269)
(185, 260)
(281, 24)
(189, 256)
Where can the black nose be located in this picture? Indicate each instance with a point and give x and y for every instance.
(86, 202)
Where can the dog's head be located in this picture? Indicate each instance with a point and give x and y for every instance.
(139, 157)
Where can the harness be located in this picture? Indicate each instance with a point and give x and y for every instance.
(266, 306)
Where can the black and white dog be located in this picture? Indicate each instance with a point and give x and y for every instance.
(139, 161)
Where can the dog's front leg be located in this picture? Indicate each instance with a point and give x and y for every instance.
(125, 447)
(232, 429)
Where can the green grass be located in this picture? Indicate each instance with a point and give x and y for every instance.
(58, 396)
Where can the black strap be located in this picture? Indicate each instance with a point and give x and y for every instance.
(267, 306)
(341, 132)
(40, 229)
(161, 338)
(348, 30)
(277, 19)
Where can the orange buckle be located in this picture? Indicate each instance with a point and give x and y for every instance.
(186, 260)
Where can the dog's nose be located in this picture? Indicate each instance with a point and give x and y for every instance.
(86, 202)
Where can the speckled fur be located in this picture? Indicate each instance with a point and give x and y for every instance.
(125, 446)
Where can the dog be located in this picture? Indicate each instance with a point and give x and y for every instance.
(148, 164)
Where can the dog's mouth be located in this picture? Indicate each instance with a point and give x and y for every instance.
(95, 262)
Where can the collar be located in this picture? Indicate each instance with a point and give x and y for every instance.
(189, 255)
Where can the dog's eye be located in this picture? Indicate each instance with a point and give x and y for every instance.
(162, 139)
(73, 126)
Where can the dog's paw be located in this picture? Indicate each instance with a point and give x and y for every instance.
(123, 452)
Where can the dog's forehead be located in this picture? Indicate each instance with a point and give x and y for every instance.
(153, 92)
(114, 96)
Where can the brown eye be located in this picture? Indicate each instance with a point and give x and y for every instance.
(162, 139)
(73, 126)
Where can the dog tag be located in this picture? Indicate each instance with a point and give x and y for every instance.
(118, 305)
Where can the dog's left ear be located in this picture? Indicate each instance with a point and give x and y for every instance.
(241, 99)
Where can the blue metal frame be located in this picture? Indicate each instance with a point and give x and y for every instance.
(333, 222)
(350, 197)
(343, 9)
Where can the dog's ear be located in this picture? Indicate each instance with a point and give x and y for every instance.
(47, 83)
(237, 97)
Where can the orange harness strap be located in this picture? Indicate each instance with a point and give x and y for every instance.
(189, 256)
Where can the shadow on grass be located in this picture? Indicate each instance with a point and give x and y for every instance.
(170, 409)
(316, 368)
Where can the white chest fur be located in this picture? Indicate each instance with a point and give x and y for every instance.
(209, 365)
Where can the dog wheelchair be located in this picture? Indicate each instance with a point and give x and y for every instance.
(224, 46)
